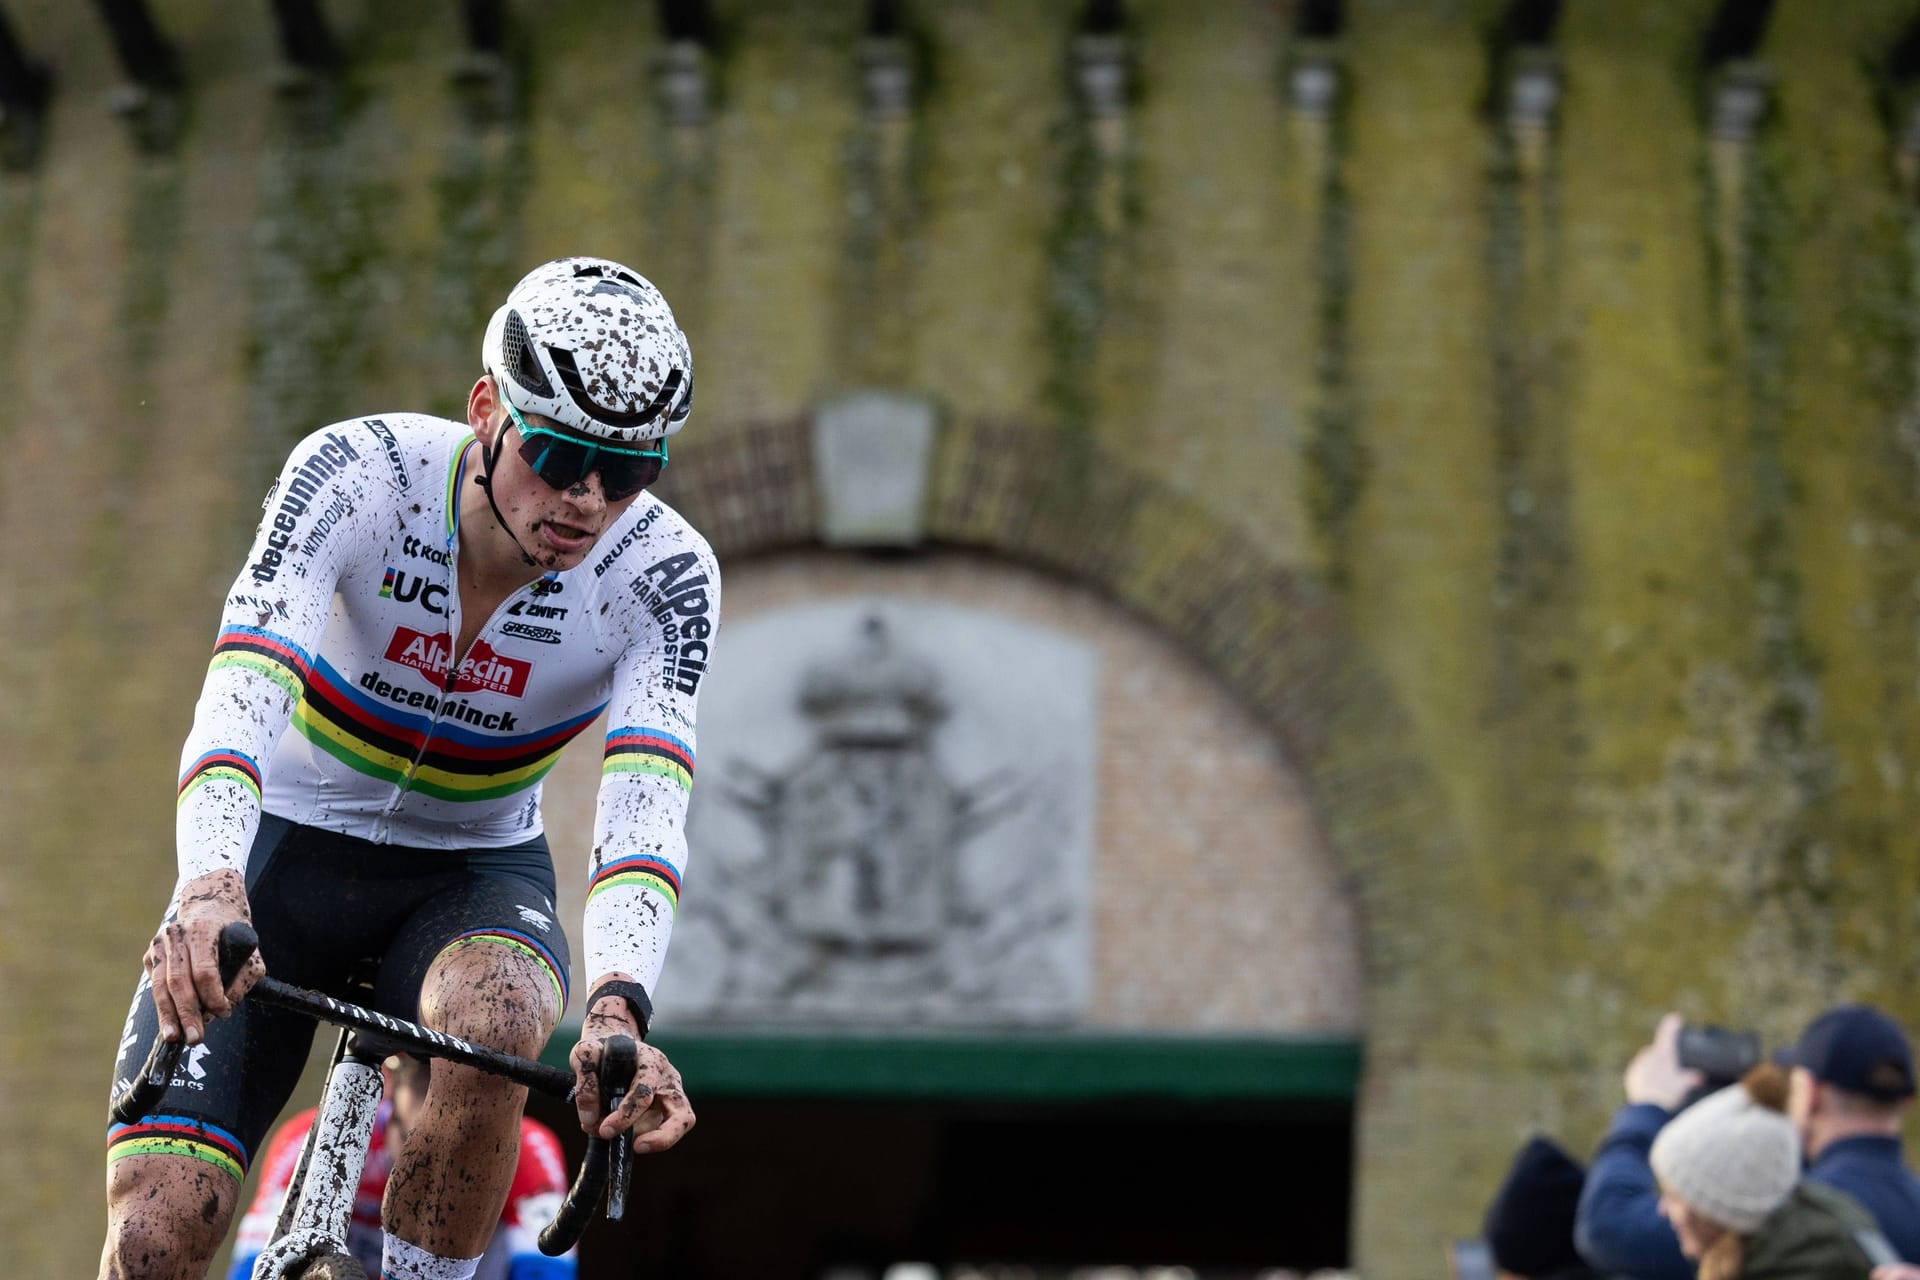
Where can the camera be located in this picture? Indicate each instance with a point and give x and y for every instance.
(1721, 1055)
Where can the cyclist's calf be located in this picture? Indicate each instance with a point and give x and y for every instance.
(166, 1216)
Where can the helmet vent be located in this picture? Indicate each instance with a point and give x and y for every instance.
(516, 352)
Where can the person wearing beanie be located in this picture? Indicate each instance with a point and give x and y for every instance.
(1529, 1226)
(1729, 1174)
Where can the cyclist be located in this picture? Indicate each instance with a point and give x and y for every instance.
(539, 1184)
(435, 608)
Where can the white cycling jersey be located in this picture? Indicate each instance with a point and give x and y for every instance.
(341, 625)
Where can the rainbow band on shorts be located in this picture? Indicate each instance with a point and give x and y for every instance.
(526, 944)
(178, 1136)
(643, 871)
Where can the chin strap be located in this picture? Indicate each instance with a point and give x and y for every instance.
(488, 457)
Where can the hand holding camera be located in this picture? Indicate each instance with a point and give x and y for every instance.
(1656, 1074)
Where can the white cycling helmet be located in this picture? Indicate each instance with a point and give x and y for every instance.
(592, 345)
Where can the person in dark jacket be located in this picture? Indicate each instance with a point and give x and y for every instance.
(1729, 1175)
(1852, 1085)
(1617, 1225)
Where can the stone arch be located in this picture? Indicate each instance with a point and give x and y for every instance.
(1273, 634)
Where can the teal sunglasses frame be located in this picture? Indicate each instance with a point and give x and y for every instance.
(589, 463)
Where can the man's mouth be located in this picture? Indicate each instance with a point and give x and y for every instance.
(564, 537)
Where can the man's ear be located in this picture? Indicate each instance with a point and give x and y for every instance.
(481, 404)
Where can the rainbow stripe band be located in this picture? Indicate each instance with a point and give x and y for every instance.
(641, 870)
(273, 656)
(178, 1136)
(453, 488)
(635, 750)
(526, 944)
(447, 760)
(221, 766)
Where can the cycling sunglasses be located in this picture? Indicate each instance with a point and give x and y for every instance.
(564, 461)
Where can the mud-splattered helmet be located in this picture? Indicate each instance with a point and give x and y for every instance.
(592, 345)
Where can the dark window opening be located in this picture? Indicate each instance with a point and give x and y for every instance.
(773, 1188)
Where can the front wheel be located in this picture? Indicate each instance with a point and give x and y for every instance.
(332, 1266)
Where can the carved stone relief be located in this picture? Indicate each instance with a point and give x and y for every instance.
(893, 822)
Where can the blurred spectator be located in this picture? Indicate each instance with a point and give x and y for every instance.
(1529, 1225)
(1729, 1175)
(1618, 1227)
(1853, 1081)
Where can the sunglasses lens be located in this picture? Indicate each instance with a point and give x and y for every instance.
(622, 475)
(563, 463)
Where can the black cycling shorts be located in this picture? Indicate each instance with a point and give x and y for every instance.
(332, 911)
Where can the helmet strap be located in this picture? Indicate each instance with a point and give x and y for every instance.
(488, 457)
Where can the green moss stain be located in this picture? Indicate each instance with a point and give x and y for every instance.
(979, 340)
(1649, 508)
(479, 194)
(780, 207)
(1842, 285)
(1335, 453)
(1533, 706)
(885, 182)
(19, 213)
(321, 272)
(1419, 310)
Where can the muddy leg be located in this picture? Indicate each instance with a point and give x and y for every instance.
(166, 1215)
(451, 1177)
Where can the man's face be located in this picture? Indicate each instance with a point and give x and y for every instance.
(557, 527)
(1801, 1095)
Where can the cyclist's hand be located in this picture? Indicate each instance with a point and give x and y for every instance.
(655, 1111)
(184, 957)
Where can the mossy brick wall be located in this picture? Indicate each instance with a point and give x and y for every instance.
(1557, 518)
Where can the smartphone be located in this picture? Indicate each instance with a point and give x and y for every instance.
(1717, 1053)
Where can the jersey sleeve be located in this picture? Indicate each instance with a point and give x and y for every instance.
(539, 1185)
(274, 616)
(276, 1173)
(639, 841)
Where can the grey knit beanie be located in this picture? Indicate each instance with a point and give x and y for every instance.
(1730, 1156)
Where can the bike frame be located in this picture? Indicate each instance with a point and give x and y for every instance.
(318, 1207)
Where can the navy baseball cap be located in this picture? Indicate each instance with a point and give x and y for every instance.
(1857, 1048)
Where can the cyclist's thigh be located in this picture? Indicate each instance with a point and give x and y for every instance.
(494, 917)
(227, 1089)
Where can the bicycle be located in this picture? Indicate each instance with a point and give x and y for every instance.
(310, 1238)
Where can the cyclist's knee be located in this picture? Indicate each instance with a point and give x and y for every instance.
(492, 995)
(166, 1216)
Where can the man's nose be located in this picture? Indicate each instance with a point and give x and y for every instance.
(590, 491)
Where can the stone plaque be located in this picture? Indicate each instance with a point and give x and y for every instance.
(891, 822)
(871, 453)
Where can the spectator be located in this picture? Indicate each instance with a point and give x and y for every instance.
(1853, 1081)
(1729, 1175)
(539, 1184)
(1618, 1227)
(1529, 1225)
